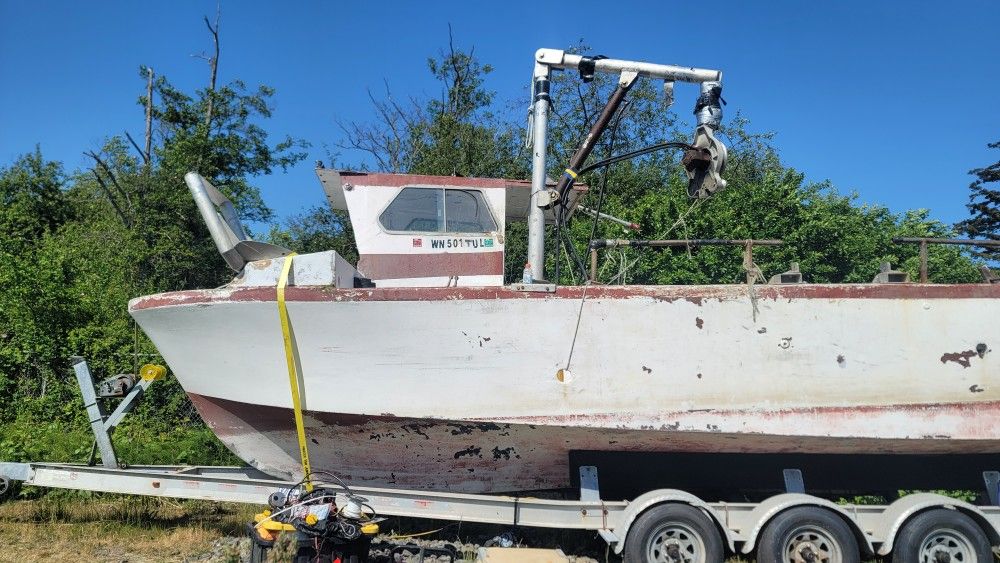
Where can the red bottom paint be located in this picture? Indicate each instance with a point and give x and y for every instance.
(495, 456)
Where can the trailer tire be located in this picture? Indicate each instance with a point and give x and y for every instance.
(673, 526)
(941, 530)
(7, 488)
(818, 530)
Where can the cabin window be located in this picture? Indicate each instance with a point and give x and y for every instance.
(438, 210)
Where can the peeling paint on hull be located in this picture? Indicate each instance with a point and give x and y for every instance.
(476, 456)
(452, 388)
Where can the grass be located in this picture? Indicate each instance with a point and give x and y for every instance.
(133, 529)
(114, 528)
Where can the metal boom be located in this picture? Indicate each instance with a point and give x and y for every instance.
(547, 60)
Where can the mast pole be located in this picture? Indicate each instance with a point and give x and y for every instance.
(539, 144)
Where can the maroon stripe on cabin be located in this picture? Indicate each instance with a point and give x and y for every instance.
(691, 293)
(394, 266)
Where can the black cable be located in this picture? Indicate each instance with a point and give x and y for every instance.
(335, 477)
(575, 255)
(560, 214)
(328, 473)
(630, 155)
(562, 205)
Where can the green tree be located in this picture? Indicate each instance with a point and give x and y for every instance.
(32, 202)
(984, 207)
(37, 309)
(316, 230)
(76, 248)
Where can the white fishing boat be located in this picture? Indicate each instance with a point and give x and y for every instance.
(419, 368)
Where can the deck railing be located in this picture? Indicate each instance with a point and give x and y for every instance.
(689, 243)
(925, 241)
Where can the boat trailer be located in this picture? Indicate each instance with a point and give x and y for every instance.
(740, 527)
(667, 521)
(671, 522)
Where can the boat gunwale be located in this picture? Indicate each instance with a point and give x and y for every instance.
(692, 293)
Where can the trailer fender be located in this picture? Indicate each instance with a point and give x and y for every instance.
(771, 507)
(661, 496)
(899, 512)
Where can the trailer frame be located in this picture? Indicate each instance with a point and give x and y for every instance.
(740, 525)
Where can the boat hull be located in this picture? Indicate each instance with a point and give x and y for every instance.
(458, 388)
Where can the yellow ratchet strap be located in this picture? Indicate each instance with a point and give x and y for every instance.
(293, 375)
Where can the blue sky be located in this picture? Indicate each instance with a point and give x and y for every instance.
(894, 100)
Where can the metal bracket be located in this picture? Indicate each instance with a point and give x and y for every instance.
(590, 491)
(887, 275)
(589, 485)
(224, 225)
(668, 93)
(793, 275)
(793, 481)
(534, 287)
(628, 78)
(992, 480)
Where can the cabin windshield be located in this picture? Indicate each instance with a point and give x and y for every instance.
(438, 210)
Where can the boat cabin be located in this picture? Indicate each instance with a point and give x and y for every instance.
(430, 231)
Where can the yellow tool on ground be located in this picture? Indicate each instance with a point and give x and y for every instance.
(269, 529)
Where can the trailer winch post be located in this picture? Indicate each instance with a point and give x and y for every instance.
(103, 424)
(95, 412)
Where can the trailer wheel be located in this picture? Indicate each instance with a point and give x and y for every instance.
(673, 533)
(807, 534)
(941, 535)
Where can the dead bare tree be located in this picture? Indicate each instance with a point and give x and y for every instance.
(213, 61)
(392, 140)
(136, 145)
(149, 115)
(458, 73)
(125, 217)
(111, 175)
